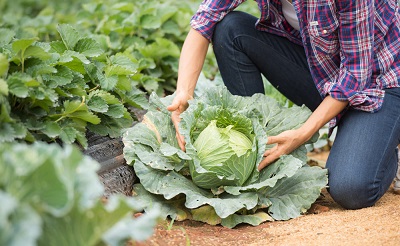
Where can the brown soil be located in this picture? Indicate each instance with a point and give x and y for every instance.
(326, 224)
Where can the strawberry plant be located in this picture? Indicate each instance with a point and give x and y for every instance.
(59, 89)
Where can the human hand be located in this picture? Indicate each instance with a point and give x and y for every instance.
(286, 142)
(178, 106)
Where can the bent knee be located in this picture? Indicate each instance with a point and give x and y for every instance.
(354, 195)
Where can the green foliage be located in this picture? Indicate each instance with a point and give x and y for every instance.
(151, 31)
(52, 196)
(231, 190)
(81, 67)
(56, 90)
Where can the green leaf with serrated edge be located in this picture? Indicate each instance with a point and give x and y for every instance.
(6, 36)
(150, 84)
(108, 97)
(118, 70)
(41, 69)
(171, 27)
(3, 64)
(126, 7)
(252, 219)
(88, 47)
(121, 64)
(86, 116)
(109, 83)
(82, 140)
(51, 129)
(150, 22)
(69, 55)
(97, 104)
(63, 76)
(72, 106)
(21, 45)
(293, 196)
(68, 35)
(74, 61)
(161, 48)
(75, 65)
(125, 84)
(7, 132)
(166, 12)
(115, 110)
(36, 51)
(58, 46)
(111, 126)
(68, 134)
(18, 84)
(20, 130)
(134, 97)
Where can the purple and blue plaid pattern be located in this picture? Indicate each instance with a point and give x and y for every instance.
(352, 46)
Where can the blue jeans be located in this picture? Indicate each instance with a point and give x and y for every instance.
(363, 160)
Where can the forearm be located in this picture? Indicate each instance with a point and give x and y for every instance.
(191, 61)
(327, 110)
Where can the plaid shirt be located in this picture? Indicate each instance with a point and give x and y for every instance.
(352, 46)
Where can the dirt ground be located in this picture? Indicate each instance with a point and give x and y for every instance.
(327, 224)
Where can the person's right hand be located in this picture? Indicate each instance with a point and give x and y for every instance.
(178, 105)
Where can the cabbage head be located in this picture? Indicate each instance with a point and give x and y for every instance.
(216, 180)
(228, 156)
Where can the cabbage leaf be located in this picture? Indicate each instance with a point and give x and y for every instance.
(216, 180)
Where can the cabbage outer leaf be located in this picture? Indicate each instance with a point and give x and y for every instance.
(283, 190)
(172, 184)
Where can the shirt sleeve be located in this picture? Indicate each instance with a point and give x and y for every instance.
(356, 39)
(210, 13)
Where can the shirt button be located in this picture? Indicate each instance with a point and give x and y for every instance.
(324, 31)
(265, 6)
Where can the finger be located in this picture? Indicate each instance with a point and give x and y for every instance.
(175, 116)
(267, 160)
(181, 141)
(272, 140)
(174, 106)
(270, 151)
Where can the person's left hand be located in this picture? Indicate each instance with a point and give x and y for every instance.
(286, 142)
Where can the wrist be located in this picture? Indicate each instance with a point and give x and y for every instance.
(187, 94)
(306, 132)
